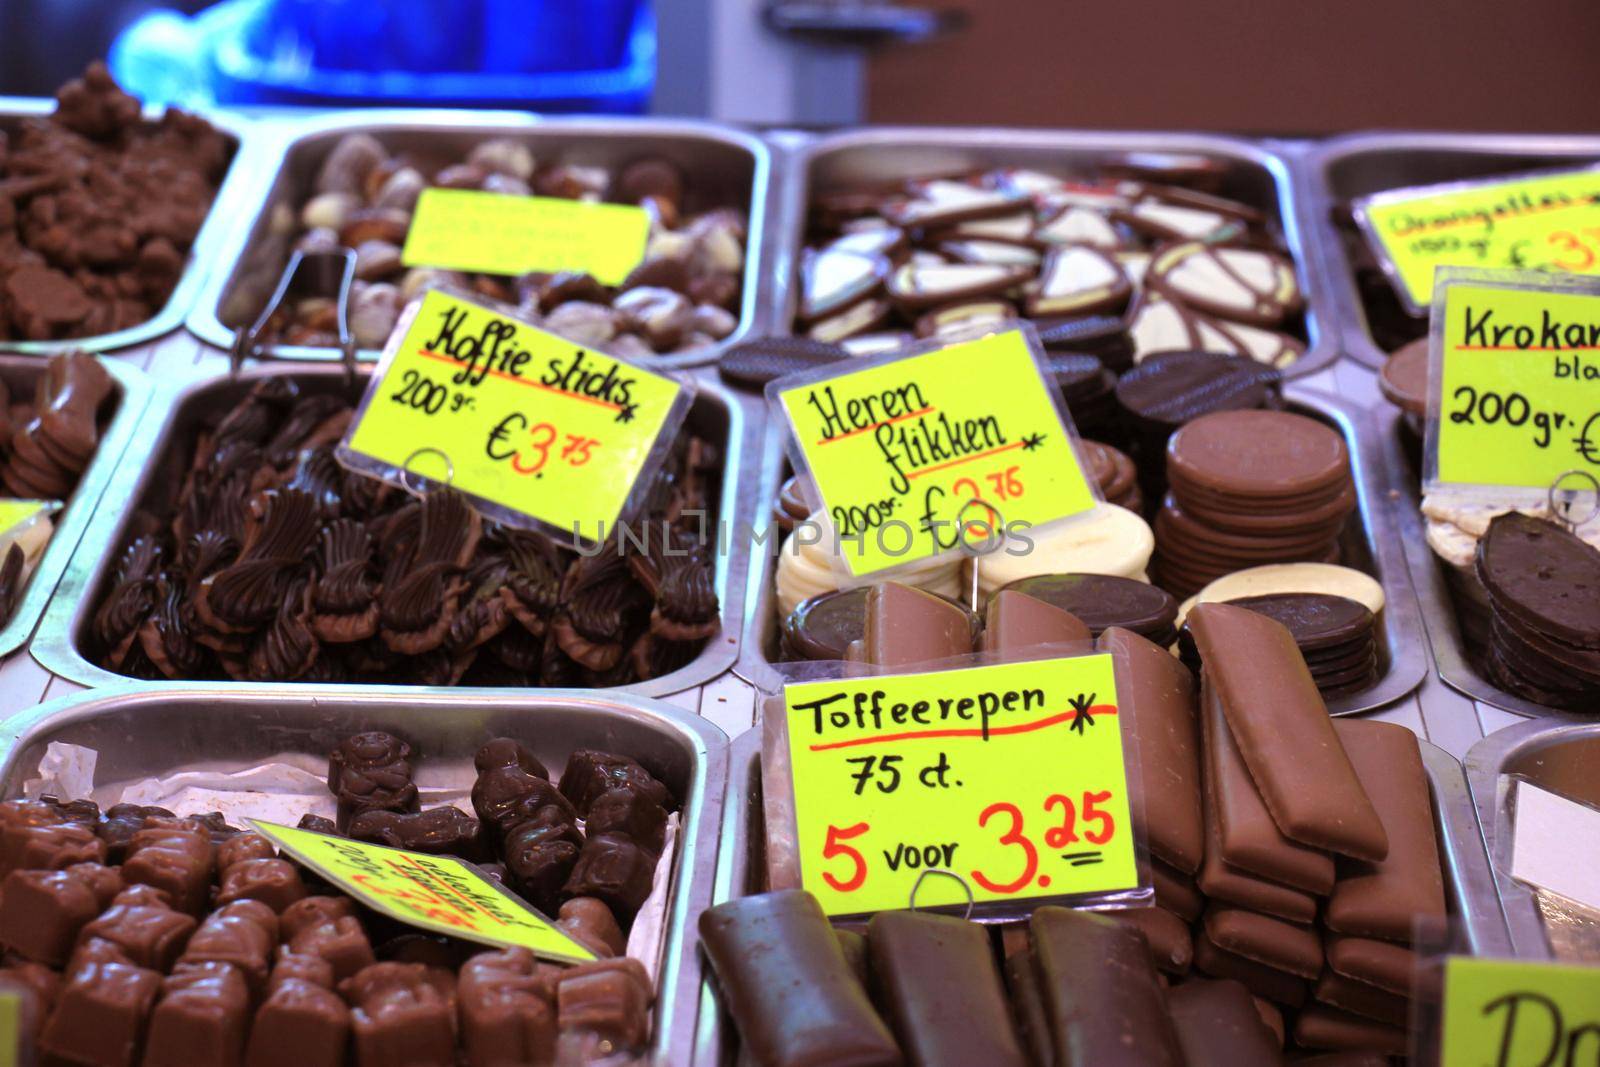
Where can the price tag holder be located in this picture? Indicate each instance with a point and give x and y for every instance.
(495, 233)
(1012, 776)
(1518, 1012)
(440, 894)
(1541, 221)
(898, 446)
(535, 430)
(1514, 382)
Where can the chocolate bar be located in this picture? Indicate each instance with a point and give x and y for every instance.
(1218, 1026)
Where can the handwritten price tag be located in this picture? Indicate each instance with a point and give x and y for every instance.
(534, 427)
(462, 229)
(1547, 221)
(899, 448)
(1515, 368)
(1517, 1012)
(437, 893)
(1010, 775)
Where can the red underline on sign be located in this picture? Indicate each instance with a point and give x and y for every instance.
(503, 376)
(874, 426)
(1530, 348)
(451, 894)
(1444, 224)
(998, 731)
(965, 459)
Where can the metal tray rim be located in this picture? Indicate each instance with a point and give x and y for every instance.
(1402, 620)
(1483, 767)
(55, 647)
(203, 251)
(1350, 318)
(801, 151)
(280, 136)
(79, 513)
(681, 974)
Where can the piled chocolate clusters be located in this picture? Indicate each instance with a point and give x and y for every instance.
(277, 564)
(1121, 265)
(140, 937)
(98, 209)
(682, 296)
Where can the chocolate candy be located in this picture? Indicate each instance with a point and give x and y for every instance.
(942, 991)
(541, 853)
(1103, 600)
(273, 882)
(201, 1018)
(302, 1021)
(590, 773)
(608, 999)
(589, 921)
(906, 626)
(1022, 981)
(240, 936)
(1336, 635)
(1218, 1026)
(122, 821)
(613, 868)
(327, 927)
(371, 772)
(507, 752)
(100, 1015)
(1270, 702)
(1016, 622)
(784, 979)
(398, 1014)
(1171, 946)
(507, 1010)
(628, 811)
(1322, 1027)
(446, 831)
(1100, 990)
(1263, 980)
(1281, 945)
(41, 912)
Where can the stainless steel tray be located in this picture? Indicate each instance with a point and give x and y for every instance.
(146, 476)
(732, 166)
(1256, 175)
(141, 731)
(133, 393)
(1371, 543)
(1558, 756)
(741, 867)
(1343, 168)
(202, 254)
(1427, 577)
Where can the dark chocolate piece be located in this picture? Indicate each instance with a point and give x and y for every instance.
(444, 831)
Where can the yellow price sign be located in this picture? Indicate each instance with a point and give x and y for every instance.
(1514, 1012)
(910, 450)
(529, 425)
(437, 893)
(1514, 371)
(10, 1028)
(495, 233)
(1011, 776)
(14, 513)
(1547, 221)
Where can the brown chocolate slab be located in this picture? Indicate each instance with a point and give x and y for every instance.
(1320, 1026)
(1159, 692)
(1384, 899)
(1022, 981)
(1171, 945)
(1228, 452)
(1233, 886)
(1282, 728)
(1016, 622)
(1218, 1026)
(1387, 966)
(1282, 945)
(907, 626)
(1176, 891)
(1280, 987)
(1543, 576)
(1359, 998)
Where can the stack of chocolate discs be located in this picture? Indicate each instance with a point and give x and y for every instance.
(1169, 389)
(1102, 601)
(1247, 488)
(1543, 585)
(1336, 635)
(1113, 471)
(823, 627)
(1088, 388)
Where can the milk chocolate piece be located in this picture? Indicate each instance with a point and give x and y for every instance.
(41, 913)
(50, 847)
(151, 936)
(1022, 979)
(942, 991)
(201, 1019)
(1282, 945)
(1100, 990)
(589, 922)
(241, 936)
(248, 846)
(442, 831)
(99, 1016)
(1323, 1027)
(1225, 883)
(907, 626)
(399, 1015)
(1389, 967)
(313, 928)
(784, 979)
(1280, 987)
(371, 772)
(273, 882)
(1016, 622)
(1176, 892)
(1218, 1026)
(609, 998)
(1159, 692)
(854, 947)
(1171, 946)
(507, 1010)
(1283, 732)
(302, 1022)
(1250, 841)
(615, 869)
(1384, 899)
(1272, 1016)
(175, 856)
(1359, 998)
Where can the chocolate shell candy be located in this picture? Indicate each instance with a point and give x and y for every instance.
(41, 913)
(540, 852)
(398, 1015)
(626, 810)
(505, 796)
(100, 1015)
(507, 1009)
(608, 998)
(1249, 285)
(201, 1019)
(151, 936)
(301, 1022)
(615, 869)
(589, 922)
(175, 856)
(327, 927)
(273, 882)
(241, 936)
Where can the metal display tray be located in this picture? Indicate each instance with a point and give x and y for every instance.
(1371, 543)
(723, 166)
(132, 392)
(741, 866)
(142, 732)
(1428, 579)
(1344, 168)
(1560, 757)
(1255, 175)
(150, 476)
(203, 253)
